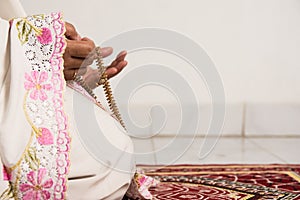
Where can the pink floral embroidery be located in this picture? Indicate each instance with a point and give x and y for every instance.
(6, 174)
(138, 188)
(145, 182)
(45, 137)
(34, 83)
(45, 37)
(58, 80)
(37, 189)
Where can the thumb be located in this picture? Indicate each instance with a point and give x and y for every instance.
(71, 32)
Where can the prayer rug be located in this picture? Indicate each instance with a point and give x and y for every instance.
(220, 182)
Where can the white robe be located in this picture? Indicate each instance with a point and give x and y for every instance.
(89, 179)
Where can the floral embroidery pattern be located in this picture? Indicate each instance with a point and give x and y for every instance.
(138, 188)
(45, 137)
(6, 175)
(35, 84)
(45, 37)
(36, 188)
(25, 27)
(32, 159)
(41, 172)
(62, 148)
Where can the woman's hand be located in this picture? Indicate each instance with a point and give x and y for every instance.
(77, 58)
(92, 77)
(76, 52)
(117, 65)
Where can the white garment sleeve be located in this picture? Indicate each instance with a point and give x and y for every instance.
(4, 53)
(11, 9)
(4, 63)
(8, 9)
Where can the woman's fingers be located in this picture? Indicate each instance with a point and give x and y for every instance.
(80, 49)
(117, 65)
(71, 73)
(77, 56)
(113, 71)
(71, 32)
(76, 63)
(106, 51)
(121, 56)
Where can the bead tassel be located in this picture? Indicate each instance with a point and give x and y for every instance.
(106, 87)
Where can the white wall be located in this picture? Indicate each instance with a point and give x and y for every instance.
(255, 45)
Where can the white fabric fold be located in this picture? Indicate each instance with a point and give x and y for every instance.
(10, 9)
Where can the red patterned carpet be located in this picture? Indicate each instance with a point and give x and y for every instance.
(225, 181)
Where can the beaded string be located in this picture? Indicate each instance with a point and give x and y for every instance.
(105, 84)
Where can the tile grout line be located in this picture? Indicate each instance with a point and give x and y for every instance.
(153, 150)
(267, 151)
(244, 120)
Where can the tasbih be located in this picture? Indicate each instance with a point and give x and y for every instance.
(105, 84)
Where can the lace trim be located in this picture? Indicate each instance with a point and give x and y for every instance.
(41, 173)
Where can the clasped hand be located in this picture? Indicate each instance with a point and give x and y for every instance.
(77, 60)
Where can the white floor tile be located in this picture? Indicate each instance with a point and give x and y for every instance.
(171, 150)
(227, 150)
(286, 149)
(239, 150)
